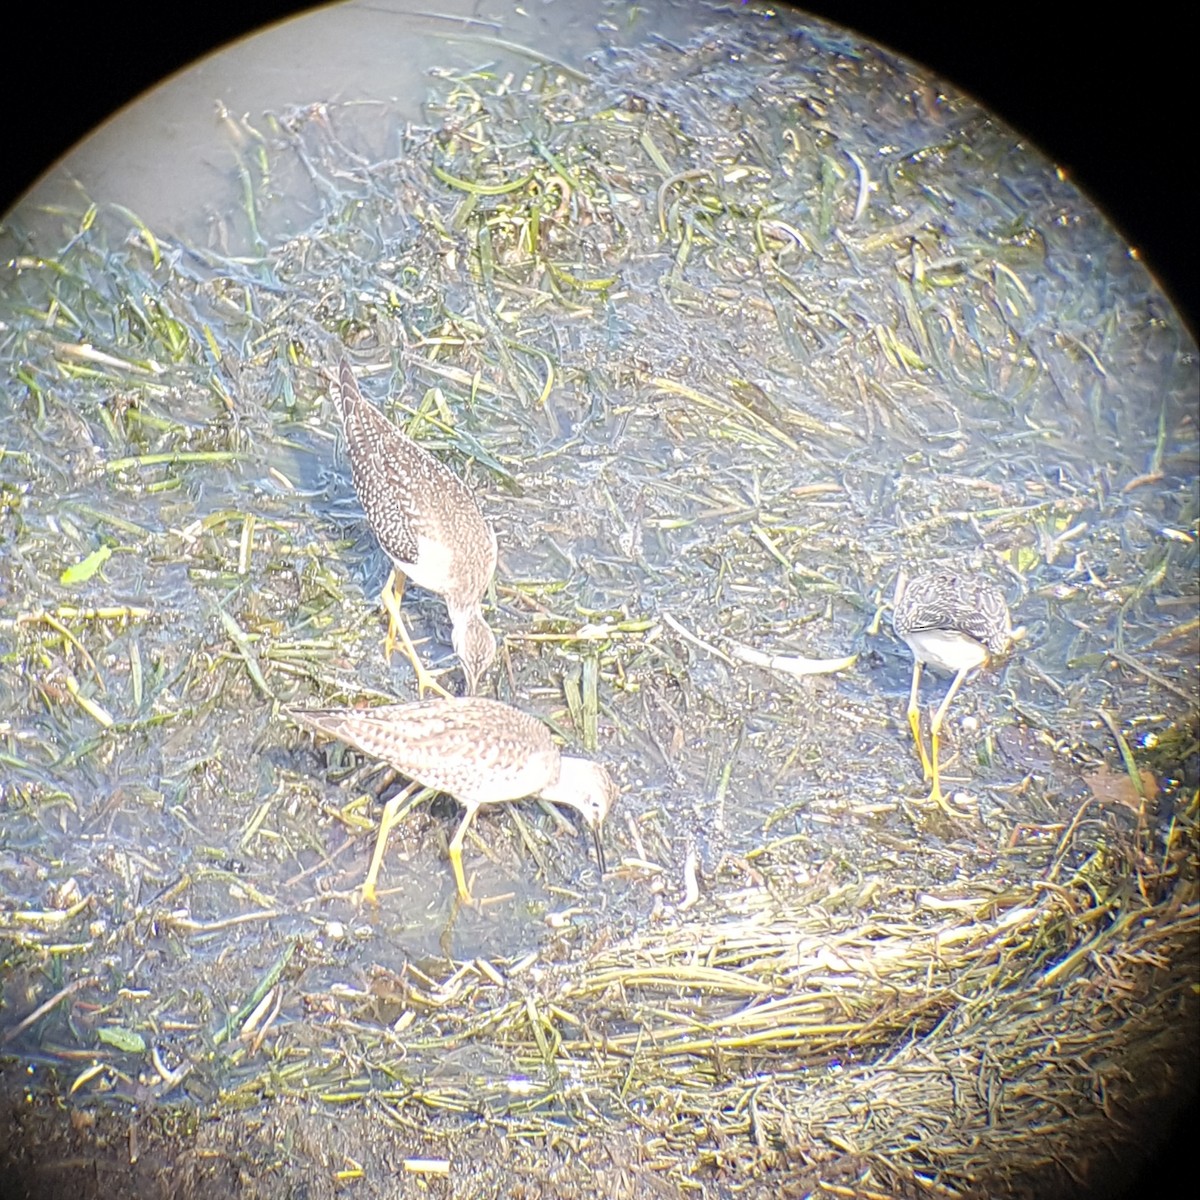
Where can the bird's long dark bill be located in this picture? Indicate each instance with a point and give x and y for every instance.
(599, 849)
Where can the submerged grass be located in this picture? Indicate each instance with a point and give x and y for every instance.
(723, 356)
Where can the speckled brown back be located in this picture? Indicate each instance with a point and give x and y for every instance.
(426, 519)
(478, 750)
(941, 599)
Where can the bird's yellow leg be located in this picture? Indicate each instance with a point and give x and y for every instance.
(914, 720)
(456, 844)
(935, 737)
(390, 597)
(935, 792)
(389, 818)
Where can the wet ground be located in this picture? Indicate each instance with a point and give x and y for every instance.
(724, 343)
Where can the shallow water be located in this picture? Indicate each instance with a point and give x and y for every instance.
(791, 321)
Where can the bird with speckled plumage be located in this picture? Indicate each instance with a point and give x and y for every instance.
(428, 523)
(956, 622)
(477, 750)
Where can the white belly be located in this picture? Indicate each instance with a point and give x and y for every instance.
(946, 649)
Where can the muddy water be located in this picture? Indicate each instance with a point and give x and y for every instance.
(798, 319)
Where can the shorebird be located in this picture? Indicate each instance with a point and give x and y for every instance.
(479, 751)
(955, 622)
(428, 523)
